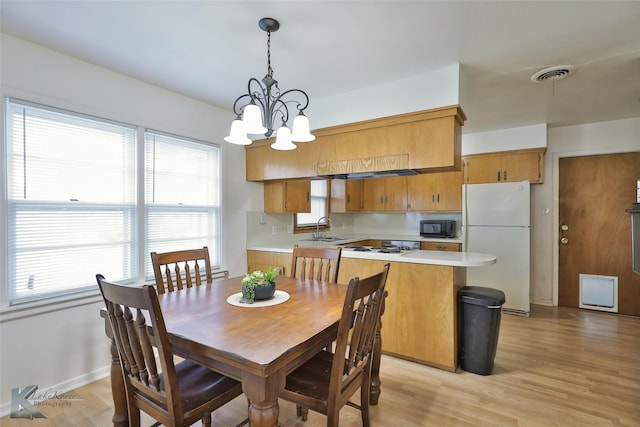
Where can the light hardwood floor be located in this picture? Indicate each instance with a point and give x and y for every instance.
(559, 367)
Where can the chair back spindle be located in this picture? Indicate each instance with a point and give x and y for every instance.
(179, 269)
(315, 263)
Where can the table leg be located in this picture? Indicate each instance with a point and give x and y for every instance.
(262, 393)
(120, 414)
(374, 391)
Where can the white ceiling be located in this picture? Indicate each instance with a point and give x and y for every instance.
(208, 49)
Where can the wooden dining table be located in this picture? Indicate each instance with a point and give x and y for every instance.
(258, 346)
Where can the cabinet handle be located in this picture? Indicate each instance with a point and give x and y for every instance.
(504, 175)
(498, 176)
(307, 196)
(348, 198)
(386, 199)
(382, 200)
(433, 198)
(438, 197)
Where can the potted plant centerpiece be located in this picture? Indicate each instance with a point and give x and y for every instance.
(259, 285)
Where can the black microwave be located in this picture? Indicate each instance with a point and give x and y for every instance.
(438, 228)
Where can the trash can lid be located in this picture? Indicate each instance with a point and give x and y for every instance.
(479, 295)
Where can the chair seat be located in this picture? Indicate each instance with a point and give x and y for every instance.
(199, 385)
(312, 378)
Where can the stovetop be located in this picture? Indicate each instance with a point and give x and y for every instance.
(386, 248)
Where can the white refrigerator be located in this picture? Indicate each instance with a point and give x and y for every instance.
(495, 220)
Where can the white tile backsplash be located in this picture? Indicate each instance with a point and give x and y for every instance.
(279, 227)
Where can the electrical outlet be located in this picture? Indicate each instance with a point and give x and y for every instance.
(263, 219)
(274, 229)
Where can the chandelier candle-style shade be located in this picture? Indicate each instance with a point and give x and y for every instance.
(263, 104)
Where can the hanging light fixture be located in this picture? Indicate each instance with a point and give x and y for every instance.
(264, 106)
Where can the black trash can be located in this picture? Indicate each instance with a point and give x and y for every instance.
(480, 311)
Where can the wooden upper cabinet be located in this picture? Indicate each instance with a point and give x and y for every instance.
(346, 195)
(384, 194)
(435, 192)
(510, 166)
(287, 196)
(424, 141)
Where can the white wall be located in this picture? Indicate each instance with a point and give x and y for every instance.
(521, 138)
(439, 88)
(61, 346)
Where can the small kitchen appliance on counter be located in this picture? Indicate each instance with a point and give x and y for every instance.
(438, 228)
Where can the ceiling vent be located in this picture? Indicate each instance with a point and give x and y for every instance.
(552, 73)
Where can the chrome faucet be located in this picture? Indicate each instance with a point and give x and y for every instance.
(328, 220)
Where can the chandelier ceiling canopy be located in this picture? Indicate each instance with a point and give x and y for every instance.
(264, 107)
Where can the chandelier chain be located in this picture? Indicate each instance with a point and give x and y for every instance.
(269, 69)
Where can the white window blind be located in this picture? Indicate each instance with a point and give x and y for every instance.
(319, 204)
(71, 201)
(182, 196)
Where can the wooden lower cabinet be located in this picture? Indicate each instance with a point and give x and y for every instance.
(260, 260)
(420, 321)
(441, 246)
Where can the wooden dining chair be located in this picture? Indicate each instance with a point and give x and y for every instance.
(327, 381)
(178, 269)
(173, 394)
(315, 263)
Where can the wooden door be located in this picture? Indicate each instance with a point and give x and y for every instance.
(594, 193)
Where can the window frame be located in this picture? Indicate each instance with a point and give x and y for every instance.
(137, 256)
(312, 228)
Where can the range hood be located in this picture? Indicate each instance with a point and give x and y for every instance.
(370, 167)
(374, 174)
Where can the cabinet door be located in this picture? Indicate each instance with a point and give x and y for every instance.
(384, 194)
(521, 167)
(373, 194)
(354, 195)
(435, 192)
(481, 169)
(396, 194)
(420, 189)
(287, 196)
(298, 196)
(449, 186)
(346, 195)
(504, 167)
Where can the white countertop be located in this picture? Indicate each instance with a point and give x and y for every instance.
(455, 259)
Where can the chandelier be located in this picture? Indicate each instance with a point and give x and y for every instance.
(263, 107)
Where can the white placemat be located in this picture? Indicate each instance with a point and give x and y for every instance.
(278, 298)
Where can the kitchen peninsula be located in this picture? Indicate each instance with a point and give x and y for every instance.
(420, 320)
